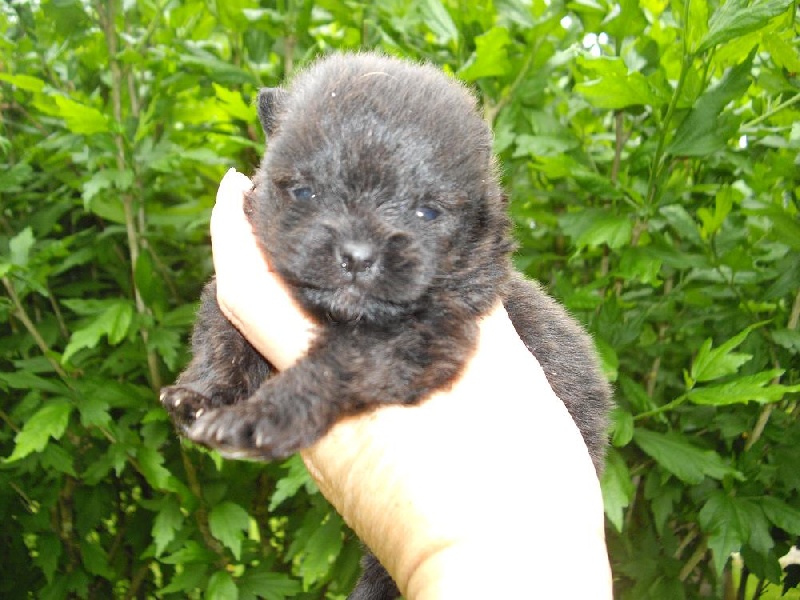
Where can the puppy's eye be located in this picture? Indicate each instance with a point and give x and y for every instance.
(426, 213)
(302, 193)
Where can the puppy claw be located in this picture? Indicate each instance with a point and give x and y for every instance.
(237, 433)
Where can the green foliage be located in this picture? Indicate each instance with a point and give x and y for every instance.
(651, 154)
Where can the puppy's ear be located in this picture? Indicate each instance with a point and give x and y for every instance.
(270, 105)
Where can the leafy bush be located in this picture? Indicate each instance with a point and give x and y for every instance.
(651, 153)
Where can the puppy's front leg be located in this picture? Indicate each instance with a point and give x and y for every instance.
(224, 369)
(349, 370)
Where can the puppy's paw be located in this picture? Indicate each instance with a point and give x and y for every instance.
(184, 405)
(254, 432)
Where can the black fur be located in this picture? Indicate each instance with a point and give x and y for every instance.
(378, 202)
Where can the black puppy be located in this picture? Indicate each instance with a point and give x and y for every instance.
(377, 201)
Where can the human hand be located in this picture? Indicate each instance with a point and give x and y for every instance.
(485, 490)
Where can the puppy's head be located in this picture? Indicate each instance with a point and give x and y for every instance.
(377, 190)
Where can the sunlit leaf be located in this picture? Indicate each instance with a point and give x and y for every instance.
(228, 522)
(50, 421)
(735, 18)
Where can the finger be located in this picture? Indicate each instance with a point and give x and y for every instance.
(248, 293)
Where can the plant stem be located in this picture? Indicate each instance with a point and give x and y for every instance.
(22, 315)
(128, 201)
(766, 412)
(774, 110)
(491, 112)
(686, 63)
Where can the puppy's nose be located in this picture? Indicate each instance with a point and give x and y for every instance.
(356, 256)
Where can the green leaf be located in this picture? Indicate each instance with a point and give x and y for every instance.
(712, 364)
(95, 560)
(113, 323)
(221, 587)
(595, 227)
(189, 578)
(491, 56)
(730, 523)
(228, 523)
(80, 118)
(232, 103)
(781, 514)
(782, 52)
(543, 145)
(705, 129)
(49, 550)
(50, 421)
(23, 82)
(260, 583)
(56, 458)
(168, 521)
(151, 464)
(748, 388)
(321, 549)
(438, 20)
(191, 552)
(675, 454)
(618, 89)
(735, 19)
(621, 427)
(287, 486)
(617, 487)
(20, 246)
(723, 203)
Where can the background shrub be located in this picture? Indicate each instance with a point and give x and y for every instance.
(651, 153)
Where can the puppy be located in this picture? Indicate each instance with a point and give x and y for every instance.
(378, 203)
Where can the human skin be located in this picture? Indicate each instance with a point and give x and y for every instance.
(484, 490)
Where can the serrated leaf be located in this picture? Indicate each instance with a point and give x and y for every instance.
(296, 477)
(675, 454)
(677, 216)
(787, 338)
(783, 53)
(705, 129)
(256, 583)
(189, 578)
(621, 427)
(595, 227)
(781, 514)
(617, 488)
(80, 118)
(49, 549)
(151, 464)
(93, 410)
(50, 421)
(748, 388)
(228, 523)
(439, 20)
(491, 56)
(735, 19)
(221, 587)
(730, 523)
(615, 91)
(95, 560)
(322, 548)
(191, 552)
(168, 521)
(712, 364)
(113, 323)
(167, 342)
(56, 458)
(232, 103)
